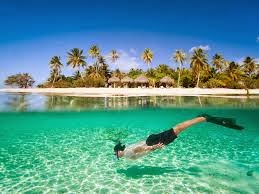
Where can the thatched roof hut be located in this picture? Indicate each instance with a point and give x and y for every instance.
(141, 79)
(167, 80)
(113, 80)
(127, 80)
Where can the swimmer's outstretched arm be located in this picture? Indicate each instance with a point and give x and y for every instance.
(142, 149)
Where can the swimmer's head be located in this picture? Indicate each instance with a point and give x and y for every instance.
(118, 150)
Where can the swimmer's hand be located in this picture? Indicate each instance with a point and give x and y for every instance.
(141, 149)
(158, 146)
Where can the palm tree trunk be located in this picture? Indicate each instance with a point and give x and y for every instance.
(80, 72)
(179, 75)
(118, 66)
(178, 82)
(198, 80)
(96, 69)
(53, 80)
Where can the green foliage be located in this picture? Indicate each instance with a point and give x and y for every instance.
(214, 83)
(251, 83)
(63, 84)
(94, 82)
(219, 73)
(40, 86)
(21, 80)
(134, 73)
(163, 70)
(218, 62)
(151, 75)
(187, 81)
(234, 72)
(249, 66)
(105, 71)
(57, 84)
(76, 75)
(79, 83)
(117, 73)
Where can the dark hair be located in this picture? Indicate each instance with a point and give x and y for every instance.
(118, 147)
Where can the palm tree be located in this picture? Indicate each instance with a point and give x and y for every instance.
(249, 66)
(101, 60)
(114, 55)
(179, 57)
(55, 64)
(117, 73)
(76, 59)
(234, 72)
(152, 75)
(99, 69)
(94, 51)
(199, 62)
(147, 56)
(93, 72)
(218, 61)
(163, 70)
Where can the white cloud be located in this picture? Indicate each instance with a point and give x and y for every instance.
(133, 51)
(126, 61)
(257, 39)
(240, 60)
(203, 47)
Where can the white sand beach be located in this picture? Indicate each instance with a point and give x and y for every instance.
(133, 91)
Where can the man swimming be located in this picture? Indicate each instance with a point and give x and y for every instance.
(158, 141)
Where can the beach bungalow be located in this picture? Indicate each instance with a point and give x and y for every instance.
(166, 81)
(113, 81)
(127, 81)
(142, 81)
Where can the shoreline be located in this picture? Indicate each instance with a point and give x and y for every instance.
(130, 92)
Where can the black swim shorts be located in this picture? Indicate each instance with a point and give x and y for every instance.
(165, 137)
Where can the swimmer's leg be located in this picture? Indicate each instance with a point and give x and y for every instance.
(168, 136)
(184, 125)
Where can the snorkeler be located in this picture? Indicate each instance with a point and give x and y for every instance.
(158, 141)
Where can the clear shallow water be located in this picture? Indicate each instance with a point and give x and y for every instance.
(64, 151)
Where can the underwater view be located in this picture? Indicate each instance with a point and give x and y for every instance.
(60, 144)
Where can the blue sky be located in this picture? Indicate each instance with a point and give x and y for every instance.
(33, 31)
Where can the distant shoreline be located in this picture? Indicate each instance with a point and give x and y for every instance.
(127, 92)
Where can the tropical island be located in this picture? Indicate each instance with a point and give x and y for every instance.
(201, 75)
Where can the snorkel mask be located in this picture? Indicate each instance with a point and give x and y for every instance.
(118, 147)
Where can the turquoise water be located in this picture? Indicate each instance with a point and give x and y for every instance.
(70, 149)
